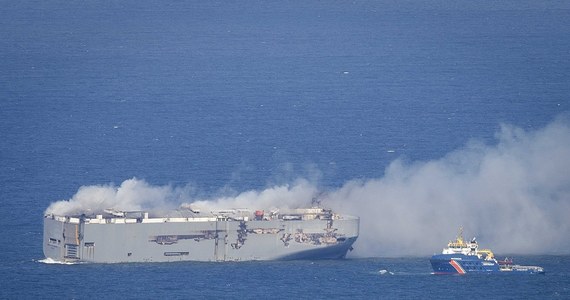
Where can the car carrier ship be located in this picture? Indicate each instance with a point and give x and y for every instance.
(187, 234)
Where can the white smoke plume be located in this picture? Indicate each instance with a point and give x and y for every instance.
(136, 194)
(131, 195)
(299, 194)
(513, 195)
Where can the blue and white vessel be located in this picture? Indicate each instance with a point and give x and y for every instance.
(461, 258)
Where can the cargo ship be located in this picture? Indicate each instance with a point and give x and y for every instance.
(461, 258)
(188, 234)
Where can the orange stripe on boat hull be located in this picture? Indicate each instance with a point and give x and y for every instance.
(457, 267)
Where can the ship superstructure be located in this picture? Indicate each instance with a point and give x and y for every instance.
(187, 234)
(462, 257)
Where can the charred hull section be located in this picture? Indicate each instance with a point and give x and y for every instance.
(232, 235)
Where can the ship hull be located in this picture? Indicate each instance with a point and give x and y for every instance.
(461, 264)
(120, 240)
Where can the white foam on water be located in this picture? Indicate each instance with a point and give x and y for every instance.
(51, 261)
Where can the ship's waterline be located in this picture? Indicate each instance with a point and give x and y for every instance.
(190, 235)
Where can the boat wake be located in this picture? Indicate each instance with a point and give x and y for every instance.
(51, 261)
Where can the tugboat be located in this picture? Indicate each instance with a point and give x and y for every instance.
(461, 258)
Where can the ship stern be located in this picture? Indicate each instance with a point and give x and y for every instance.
(53, 238)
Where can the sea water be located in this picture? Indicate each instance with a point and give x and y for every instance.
(238, 96)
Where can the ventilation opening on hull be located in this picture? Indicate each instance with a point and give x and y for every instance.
(71, 251)
(89, 250)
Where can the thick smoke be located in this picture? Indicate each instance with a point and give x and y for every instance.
(136, 194)
(513, 195)
(299, 194)
(131, 195)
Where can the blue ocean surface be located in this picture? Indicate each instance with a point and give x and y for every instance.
(226, 97)
(393, 278)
